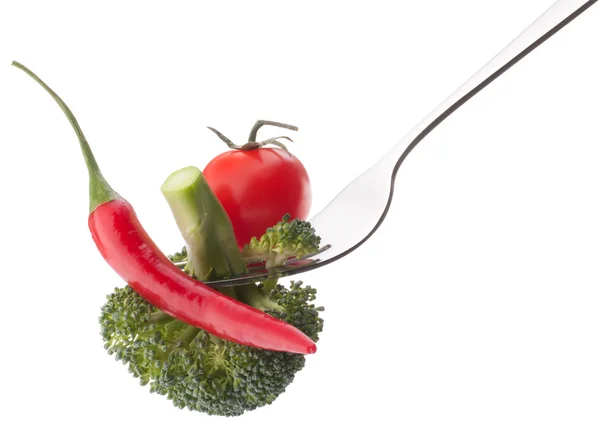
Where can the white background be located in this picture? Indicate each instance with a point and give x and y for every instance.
(474, 310)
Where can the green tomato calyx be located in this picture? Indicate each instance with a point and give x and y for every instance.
(252, 143)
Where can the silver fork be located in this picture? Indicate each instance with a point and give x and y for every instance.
(373, 190)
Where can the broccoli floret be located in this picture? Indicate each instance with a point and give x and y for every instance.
(180, 256)
(196, 370)
(288, 238)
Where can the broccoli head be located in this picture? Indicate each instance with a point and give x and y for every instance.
(288, 238)
(196, 370)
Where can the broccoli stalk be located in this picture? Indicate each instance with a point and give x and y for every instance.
(204, 224)
(211, 246)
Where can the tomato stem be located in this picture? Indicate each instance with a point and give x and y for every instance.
(260, 123)
(224, 138)
(275, 141)
(252, 144)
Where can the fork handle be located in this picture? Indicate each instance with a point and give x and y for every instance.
(554, 19)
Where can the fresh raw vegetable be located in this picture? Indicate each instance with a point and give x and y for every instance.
(128, 249)
(196, 370)
(288, 238)
(192, 367)
(198, 213)
(257, 185)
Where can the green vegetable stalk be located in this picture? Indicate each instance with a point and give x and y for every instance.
(204, 225)
(211, 246)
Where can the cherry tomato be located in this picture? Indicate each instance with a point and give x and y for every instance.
(257, 187)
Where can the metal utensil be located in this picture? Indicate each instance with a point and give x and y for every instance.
(373, 190)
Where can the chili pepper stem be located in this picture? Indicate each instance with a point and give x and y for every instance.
(100, 190)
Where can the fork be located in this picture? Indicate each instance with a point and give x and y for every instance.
(374, 188)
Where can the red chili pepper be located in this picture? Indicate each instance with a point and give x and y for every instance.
(128, 249)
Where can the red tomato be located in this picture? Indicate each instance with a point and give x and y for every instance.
(257, 187)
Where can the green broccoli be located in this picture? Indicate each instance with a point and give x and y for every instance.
(197, 370)
(284, 240)
(193, 368)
